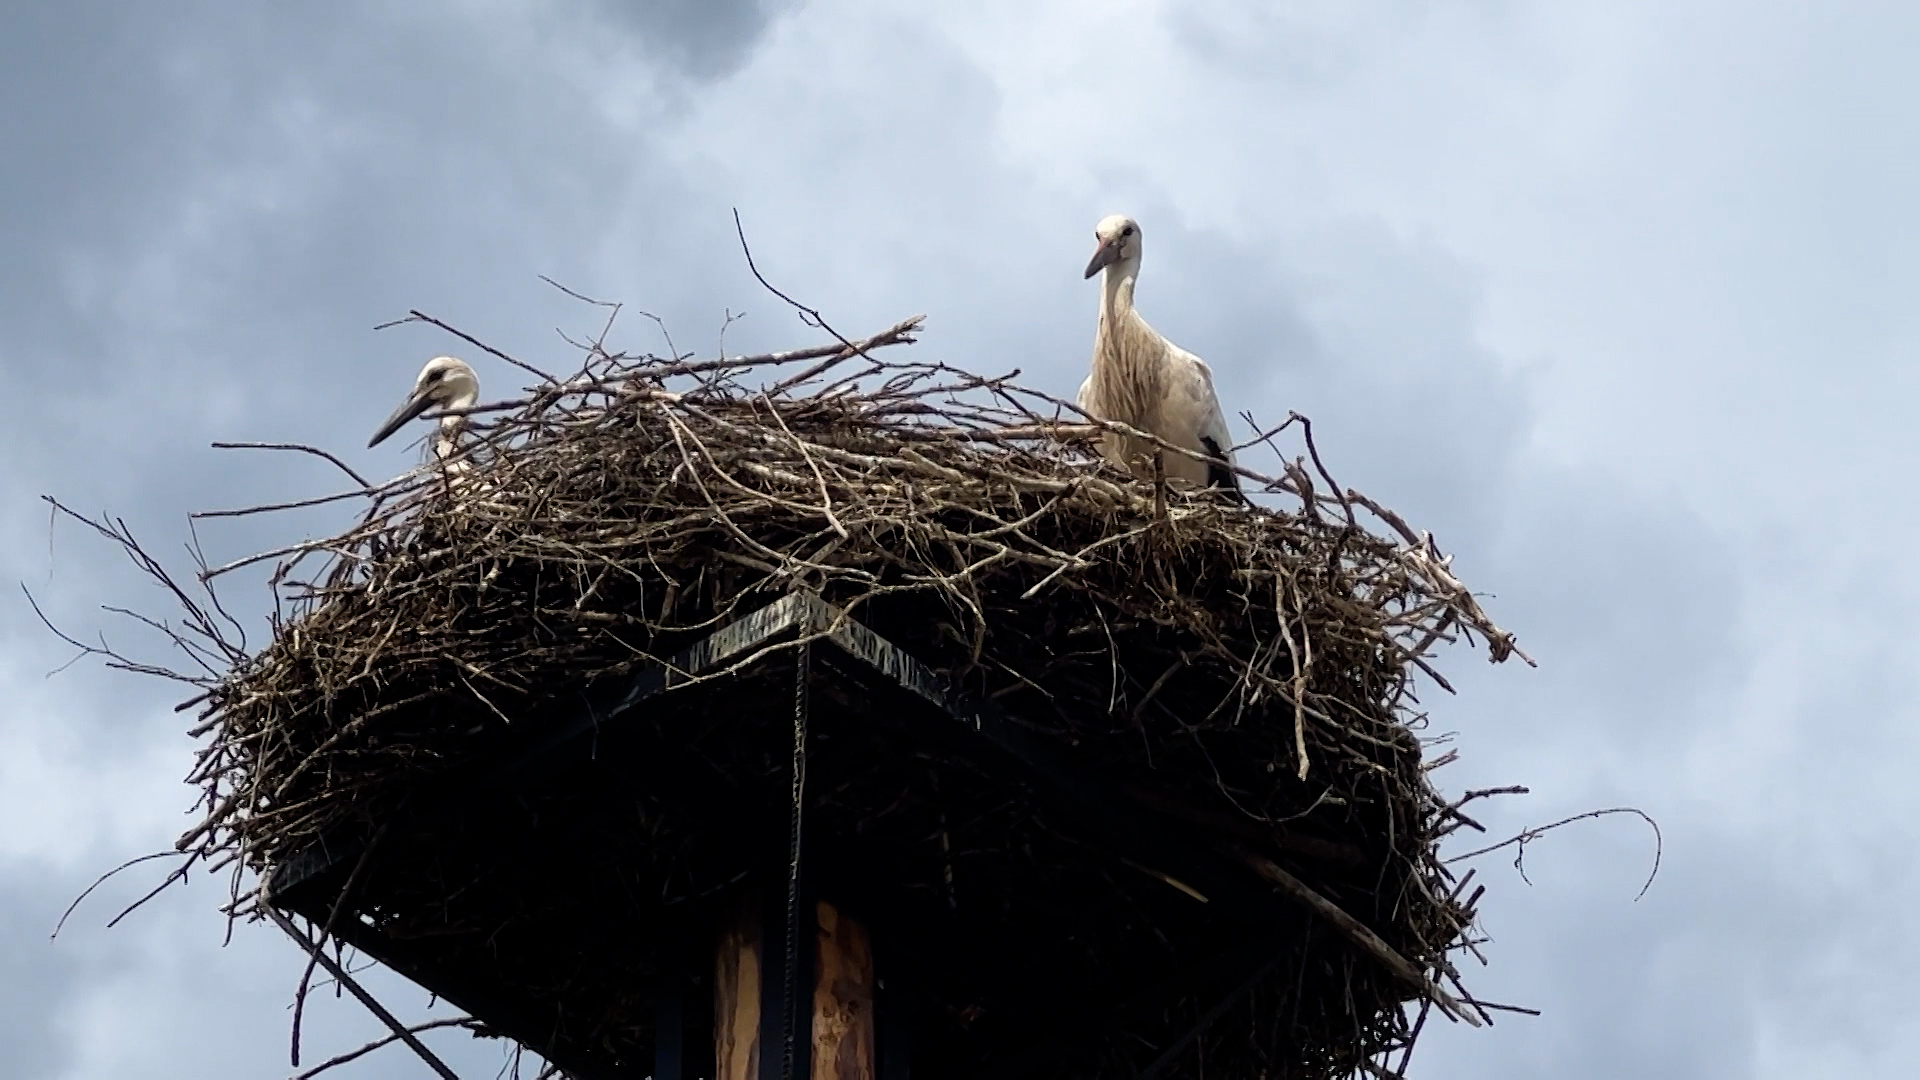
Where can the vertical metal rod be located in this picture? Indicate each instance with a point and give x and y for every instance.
(892, 1022)
(670, 1016)
(798, 1005)
(788, 1010)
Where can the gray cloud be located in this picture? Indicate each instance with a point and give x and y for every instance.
(1387, 223)
(38, 986)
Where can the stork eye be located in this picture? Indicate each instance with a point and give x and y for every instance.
(1126, 230)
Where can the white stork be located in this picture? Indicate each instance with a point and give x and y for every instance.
(1141, 379)
(446, 383)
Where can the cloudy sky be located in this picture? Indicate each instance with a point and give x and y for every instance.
(1613, 297)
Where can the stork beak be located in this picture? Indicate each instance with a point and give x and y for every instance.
(415, 404)
(1104, 256)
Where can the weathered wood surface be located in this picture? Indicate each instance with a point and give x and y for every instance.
(736, 999)
(843, 1027)
(842, 1013)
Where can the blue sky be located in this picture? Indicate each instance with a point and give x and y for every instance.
(1614, 298)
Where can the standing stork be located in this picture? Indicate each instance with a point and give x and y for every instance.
(1141, 379)
(446, 382)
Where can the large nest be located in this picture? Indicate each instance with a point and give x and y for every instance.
(1248, 668)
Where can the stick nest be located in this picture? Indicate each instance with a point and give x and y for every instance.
(1247, 669)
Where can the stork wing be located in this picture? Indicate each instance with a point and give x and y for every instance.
(1193, 409)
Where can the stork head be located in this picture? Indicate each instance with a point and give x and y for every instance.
(1119, 243)
(445, 382)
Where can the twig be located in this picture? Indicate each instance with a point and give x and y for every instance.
(1356, 932)
(101, 880)
(352, 1055)
(340, 903)
(809, 316)
(1526, 836)
(296, 448)
(418, 316)
(318, 950)
(1306, 428)
(1452, 809)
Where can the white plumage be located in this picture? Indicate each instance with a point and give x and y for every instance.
(446, 383)
(1141, 379)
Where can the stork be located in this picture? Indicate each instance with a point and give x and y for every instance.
(446, 382)
(1141, 379)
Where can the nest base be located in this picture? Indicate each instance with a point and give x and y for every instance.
(491, 889)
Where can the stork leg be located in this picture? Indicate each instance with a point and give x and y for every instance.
(1159, 485)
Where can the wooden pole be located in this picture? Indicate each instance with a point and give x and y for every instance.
(842, 1017)
(843, 1029)
(736, 998)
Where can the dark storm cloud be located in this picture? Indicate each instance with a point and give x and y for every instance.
(222, 206)
(301, 171)
(205, 209)
(705, 38)
(254, 194)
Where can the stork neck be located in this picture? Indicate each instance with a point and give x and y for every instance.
(447, 439)
(1116, 289)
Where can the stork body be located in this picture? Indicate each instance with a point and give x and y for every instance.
(445, 383)
(1141, 379)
